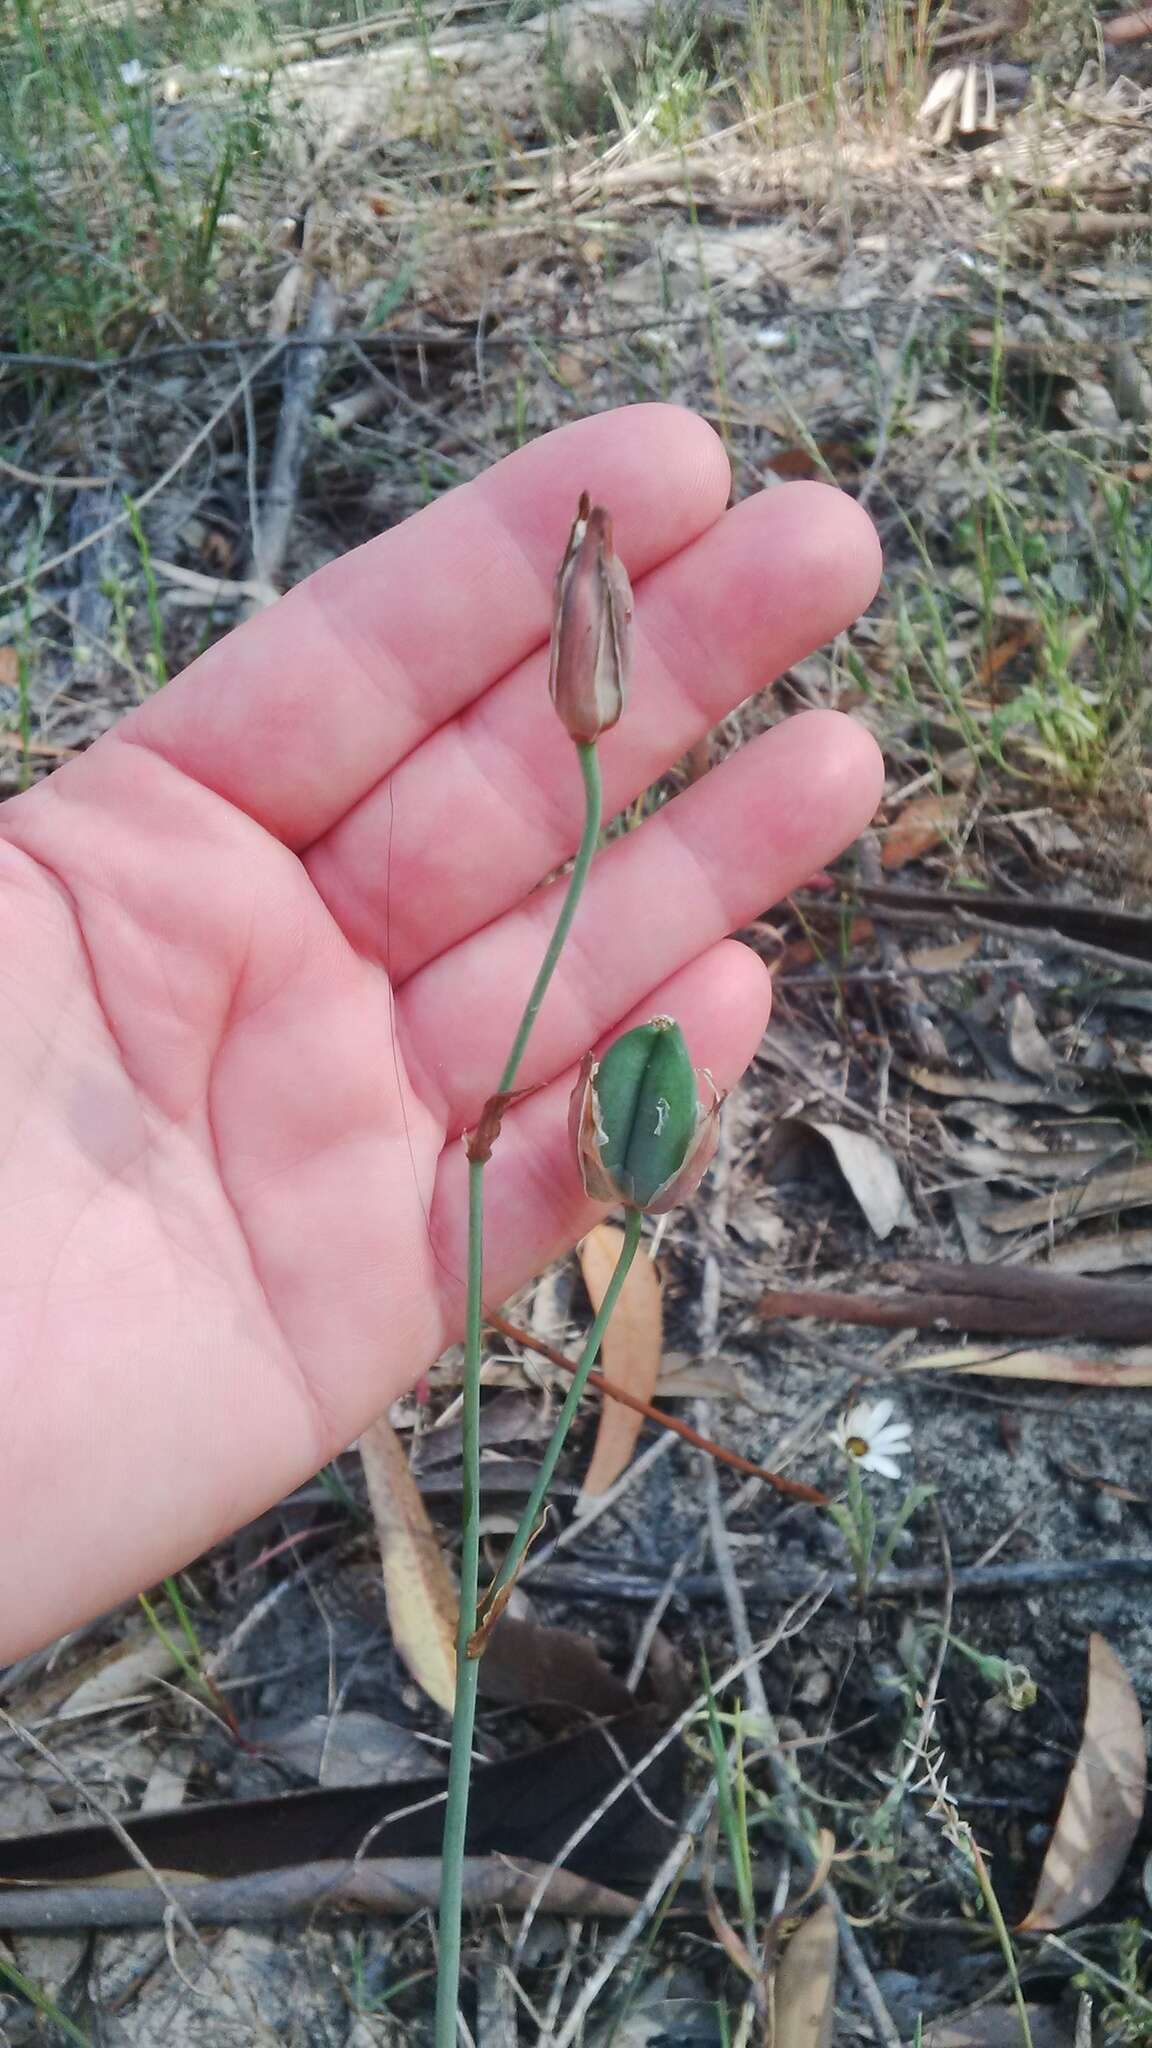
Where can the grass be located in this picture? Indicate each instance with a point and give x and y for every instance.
(38, 1999)
(110, 216)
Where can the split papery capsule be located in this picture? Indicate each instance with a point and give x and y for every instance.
(591, 629)
(640, 1132)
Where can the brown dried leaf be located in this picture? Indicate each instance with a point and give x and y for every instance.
(1129, 1368)
(418, 1587)
(922, 824)
(867, 1165)
(133, 1670)
(1109, 1253)
(1130, 1187)
(1104, 1801)
(526, 1664)
(352, 1748)
(9, 668)
(1005, 650)
(937, 958)
(1026, 1042)
(631, 1352)
(977, 1089)
(805, 1992)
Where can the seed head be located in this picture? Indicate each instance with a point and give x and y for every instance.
(591, 628)
(640, 1132)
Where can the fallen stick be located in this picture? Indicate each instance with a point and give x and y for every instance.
(584, 1582)
(918, 1018)
(1076, 928)
(1016, 1301)
(301, 382)
(403, 1884)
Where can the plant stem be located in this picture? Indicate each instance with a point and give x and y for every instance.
(531, 1515)
(468, 1668)
(593, 804)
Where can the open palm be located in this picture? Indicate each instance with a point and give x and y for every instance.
(264, 947)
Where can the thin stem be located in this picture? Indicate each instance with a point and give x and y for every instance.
(1002, 1936)
(593, 804)
(468, 1668)
(531, 1515)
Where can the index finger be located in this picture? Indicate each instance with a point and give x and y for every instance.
(295, 716)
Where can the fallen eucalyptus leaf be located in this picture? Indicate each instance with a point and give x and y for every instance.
(975, 1088)
(352, 1748)
(630, 1354)
(921, 825)
(133, 1671)
(1128, 1187)
(1129, 1368)
(1103, 1804)
(418, 1587)
(1108, 1253)
(865, 1164)
(1026, 1042)
(805, 2000)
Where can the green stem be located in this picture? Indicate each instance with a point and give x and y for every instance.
(593, 804)
(468, 1668)
(527, 1525)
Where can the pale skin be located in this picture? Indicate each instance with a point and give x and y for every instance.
(263, 949)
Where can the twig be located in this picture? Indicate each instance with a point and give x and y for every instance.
(1014, 1301)
(45, 481)
(584, 1582)
(918, 1747)
(834, 977)
(914, 1003)
(539, 1559)
(1058, 925)
(670, 1870)
(401, 1885)
(301, 381)
(658, 1416)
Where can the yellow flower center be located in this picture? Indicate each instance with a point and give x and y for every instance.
(857, 1446)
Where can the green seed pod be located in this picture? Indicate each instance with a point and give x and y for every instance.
(640, 1132)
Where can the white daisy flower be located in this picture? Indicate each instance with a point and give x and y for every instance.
(868, 1434)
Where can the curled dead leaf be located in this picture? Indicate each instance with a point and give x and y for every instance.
(865, 1164)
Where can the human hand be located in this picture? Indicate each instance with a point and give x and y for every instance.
(230, 1165)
